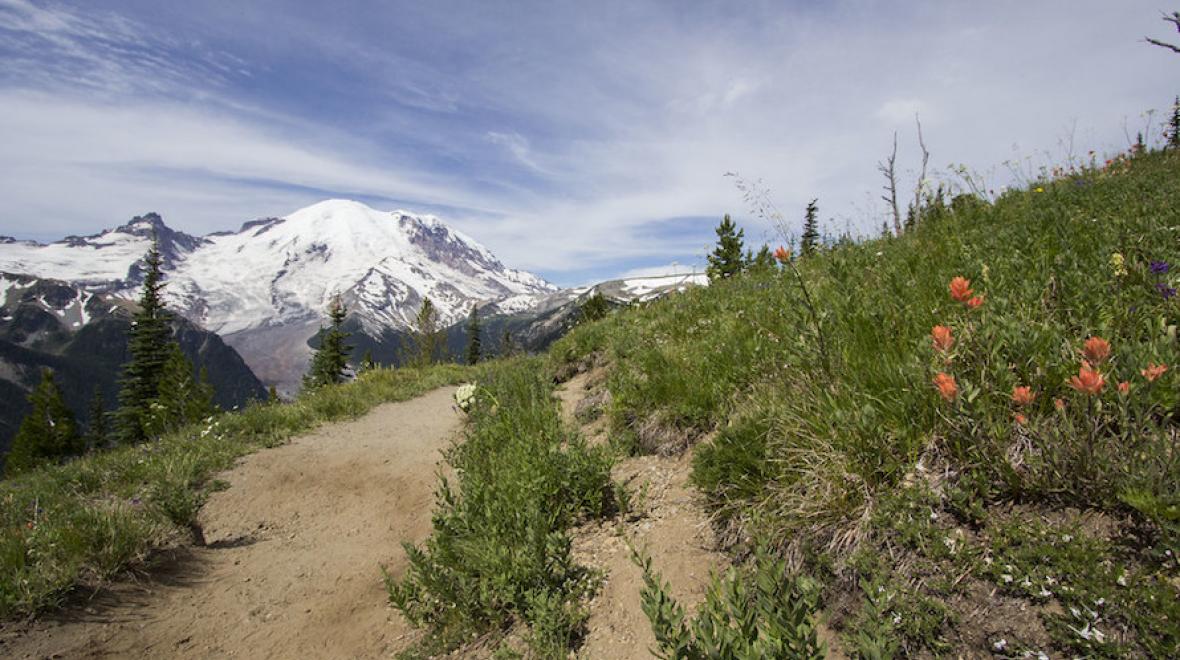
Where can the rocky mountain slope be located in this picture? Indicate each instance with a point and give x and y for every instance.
(82, 335)
(264, 288)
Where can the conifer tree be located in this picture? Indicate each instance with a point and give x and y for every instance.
(726, 259)
(147, 343)
(474, 342)
(426, 333)
(508, 346)
(96, 432)
(47, 434)
(367, 361)
(272, 395)
(763, 261)
(595, 307)
(1174, 126)
(183, 399)
(331, 358)
(810, 238)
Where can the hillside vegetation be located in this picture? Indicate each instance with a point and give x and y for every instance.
(75, 525)
(943, 507)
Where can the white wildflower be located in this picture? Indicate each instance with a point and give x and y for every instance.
(465, 396)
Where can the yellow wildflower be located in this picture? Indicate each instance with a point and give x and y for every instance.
(1118, 265)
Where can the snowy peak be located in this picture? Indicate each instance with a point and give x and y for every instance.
(265, 287)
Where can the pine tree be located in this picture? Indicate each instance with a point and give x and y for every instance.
(331, 358)
(763, 261)
(726, 259)
(1174, 126)
(426, 333)
(474, 341)
(595, 307)
(272, 395)
(183, 399)
(508, 346)
(147, 343)
(367, 362)
(810, 238)
(47, 434)
(96, 432)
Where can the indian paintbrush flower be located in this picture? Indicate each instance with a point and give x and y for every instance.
(1088, 380)
(943, 340)
(782, 254)
(1154, 371)
(1096, 349)
(947, 388)
(1022, 395)
(975, 302)
(961, 289)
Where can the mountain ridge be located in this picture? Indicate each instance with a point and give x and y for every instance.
(264, 287)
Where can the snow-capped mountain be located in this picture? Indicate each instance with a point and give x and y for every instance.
(265, 287)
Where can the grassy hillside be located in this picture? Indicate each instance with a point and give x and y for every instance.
(963, 523)
(77, 524)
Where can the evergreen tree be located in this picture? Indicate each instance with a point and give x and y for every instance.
(473, 339)
(726, 259)
(183, 399)
(1173, 130)
(331, 358)
(147, 343)
(272, 395)
(508, 346)
(426, 333)
(763, 261)
(96, 432)
(48, 433)
(367, 362)
(810, 239)
(595, 307)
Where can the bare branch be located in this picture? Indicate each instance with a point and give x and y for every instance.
(922, 177)
(1173, 19)
(888, 169)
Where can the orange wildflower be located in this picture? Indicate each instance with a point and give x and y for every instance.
(1059, 404)
(1022, 395)
(947, 388)
(1096, 349)
(1124, 387)
(782, 254)
(943, 340)
(1154, 371)
(1088, 380)
(961, 289)
(1020, 419)
(975, 302)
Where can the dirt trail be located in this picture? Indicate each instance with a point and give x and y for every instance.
(291, 569)
(667, 522)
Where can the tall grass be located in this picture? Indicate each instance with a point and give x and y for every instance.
(79, 523)
(804, 455)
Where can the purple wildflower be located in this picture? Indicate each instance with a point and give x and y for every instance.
(1165, 290)
(1159, 267)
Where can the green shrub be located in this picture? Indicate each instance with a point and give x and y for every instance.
(500, 550)
(761, 612)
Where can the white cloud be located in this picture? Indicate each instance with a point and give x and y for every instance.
(622, 115)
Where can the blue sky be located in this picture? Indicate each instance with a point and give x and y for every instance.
(578, 140)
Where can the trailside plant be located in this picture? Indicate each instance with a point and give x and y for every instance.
(500, 549)
(754, 613)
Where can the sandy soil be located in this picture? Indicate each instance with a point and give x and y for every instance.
(291, 568)
(667, 522)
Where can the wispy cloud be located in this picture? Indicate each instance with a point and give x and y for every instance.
(569, 138)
